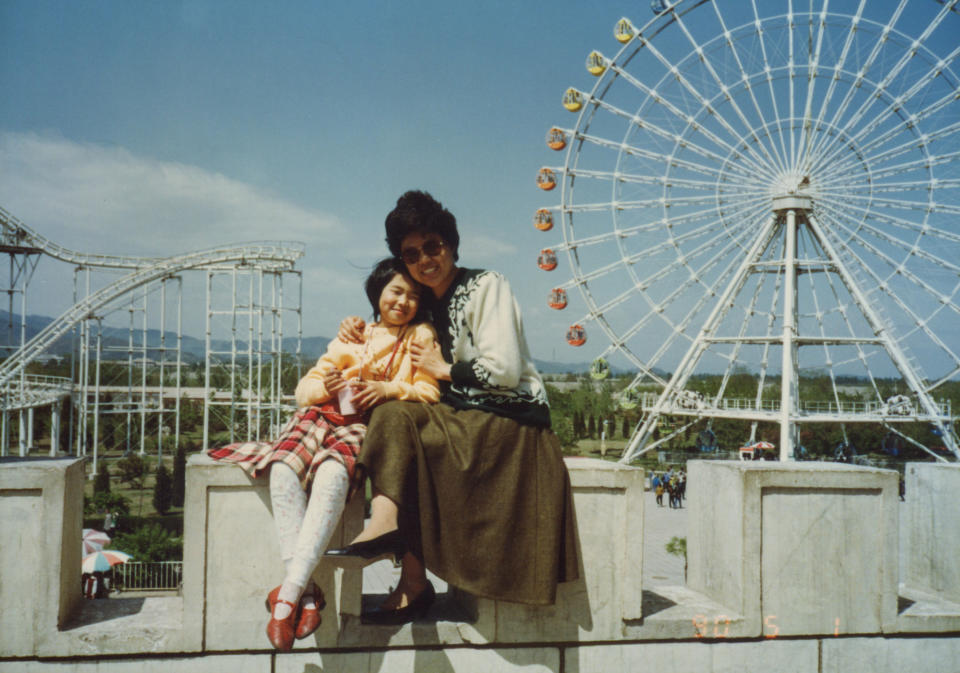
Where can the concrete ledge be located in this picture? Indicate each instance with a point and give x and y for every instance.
(795, 548)
(41, 521)
(608, 501)
(931, 548)
(759, 535)
(231, 561)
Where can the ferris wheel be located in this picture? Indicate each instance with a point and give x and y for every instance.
(773, 189)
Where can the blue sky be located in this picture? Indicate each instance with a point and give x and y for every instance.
(161, 127)
(155, 128)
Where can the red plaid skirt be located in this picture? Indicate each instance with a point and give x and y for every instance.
(306, 441)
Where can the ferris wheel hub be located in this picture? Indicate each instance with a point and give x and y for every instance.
(791, 202)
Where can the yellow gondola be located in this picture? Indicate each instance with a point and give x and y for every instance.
(572, 99)
(556, 139)
(547, 260)
(576, 335)
(558, 298)
(624, 31)
(543, 220)
(596, 64)
(546, 179)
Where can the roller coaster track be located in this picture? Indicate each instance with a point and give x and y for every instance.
(17, 237)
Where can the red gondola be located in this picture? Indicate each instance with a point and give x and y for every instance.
(558, 298)
(543, 220)
(546, 179)
(576, 335)
(547, 260)
(556, 139)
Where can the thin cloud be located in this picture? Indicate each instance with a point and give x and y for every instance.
(484, 249)
(93, 198)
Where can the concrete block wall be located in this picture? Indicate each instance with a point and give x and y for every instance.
(795, 548)
(758, 537)
(41, 520)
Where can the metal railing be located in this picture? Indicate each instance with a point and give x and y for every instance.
(137, 576)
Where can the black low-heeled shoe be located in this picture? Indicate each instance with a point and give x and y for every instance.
(415, 609)
(384, 546)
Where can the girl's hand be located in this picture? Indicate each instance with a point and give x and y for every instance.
(351, 330)
(429, 360)
(369, 394)
(333, 381)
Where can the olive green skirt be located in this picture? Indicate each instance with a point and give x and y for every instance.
(484, 501)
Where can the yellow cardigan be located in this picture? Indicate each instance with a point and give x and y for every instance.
(369, 360)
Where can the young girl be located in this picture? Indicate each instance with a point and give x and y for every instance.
(317, 450)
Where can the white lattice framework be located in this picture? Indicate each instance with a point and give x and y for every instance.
(771, 187)
(146, 296)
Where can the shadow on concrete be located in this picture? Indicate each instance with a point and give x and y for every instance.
(105, 609)
(654, 603)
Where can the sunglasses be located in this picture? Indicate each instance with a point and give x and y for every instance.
(431, 248)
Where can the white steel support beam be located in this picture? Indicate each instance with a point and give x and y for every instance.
(788, 382)
(881, 330)
(684, 370)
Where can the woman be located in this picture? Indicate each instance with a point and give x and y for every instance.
(473, 488)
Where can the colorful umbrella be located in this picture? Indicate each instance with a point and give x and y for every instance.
(94, 540)
(102, 561)
(763, 445)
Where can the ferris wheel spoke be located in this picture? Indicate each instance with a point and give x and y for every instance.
(900, 268)
(842, 304)
(680, 328)
(765, 161)
(627, 232)
(896, 104)
(806, 131)
(649, 155)
(768, 72)
(655, 180)
(688, 119)
(882, 286)
(661, 247)
(908, 145)
(661, 132)
(839, 205)
(902, 128)
(915, 166)
(837, 69)
(864, 68)
(777, 159)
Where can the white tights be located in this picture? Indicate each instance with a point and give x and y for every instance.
(304, 526)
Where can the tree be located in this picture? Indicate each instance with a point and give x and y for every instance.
(179, 476)
(101, 483)
(150, 543)
(105, 501)
(563, 429)
(133, 469)
(591, 427)
(626, 428)
(162, 489)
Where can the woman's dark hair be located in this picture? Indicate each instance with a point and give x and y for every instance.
(418, 212)
(381, 276)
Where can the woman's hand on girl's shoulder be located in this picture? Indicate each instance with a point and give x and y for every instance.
(429, 359)
(351, 330)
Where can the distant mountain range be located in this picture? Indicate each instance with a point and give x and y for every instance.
(116, 342)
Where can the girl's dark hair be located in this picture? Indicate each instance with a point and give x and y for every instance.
(418, 212)
(381, 276)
